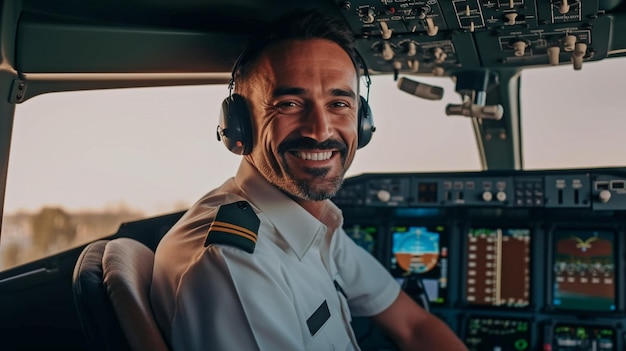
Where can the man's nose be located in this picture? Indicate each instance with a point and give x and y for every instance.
(318, 123)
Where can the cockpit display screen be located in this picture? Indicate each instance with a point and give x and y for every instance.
(578, 337)
(422, 250)
(583, 270)
(363, 235)
(498, 267)
(497, 334)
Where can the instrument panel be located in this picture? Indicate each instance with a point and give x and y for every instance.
(520, 260)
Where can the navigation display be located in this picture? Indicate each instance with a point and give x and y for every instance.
(421, 250)
(363, 235)
(497, 334)
(498, 267)
(583, 270)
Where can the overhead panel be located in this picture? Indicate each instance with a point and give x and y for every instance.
(441, 37)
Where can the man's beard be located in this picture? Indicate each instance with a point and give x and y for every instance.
(308, 189)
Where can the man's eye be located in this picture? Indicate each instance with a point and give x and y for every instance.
(288, 107)
(340, 104)
(286, 104)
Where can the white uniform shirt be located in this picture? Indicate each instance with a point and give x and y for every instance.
(286, 295)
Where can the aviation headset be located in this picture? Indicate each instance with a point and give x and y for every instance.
(235, 124)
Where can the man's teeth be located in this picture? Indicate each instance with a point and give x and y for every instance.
(315, 156)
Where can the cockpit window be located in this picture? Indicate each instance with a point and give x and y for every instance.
(82, 163)
(574, 119)
(414, 134)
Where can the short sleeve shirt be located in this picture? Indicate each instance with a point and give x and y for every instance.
(296, 291)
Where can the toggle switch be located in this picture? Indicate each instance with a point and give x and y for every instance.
(578, 55)
(439, 55)
(564, 7)
(510, 18)
(412, 49)
(553, 55)
(569, 43)
(431, 28)
(387, 52)
(385, 30)
(519, 47)
(414, 65)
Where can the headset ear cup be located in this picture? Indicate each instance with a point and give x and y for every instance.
(366, 123)
(235, 126)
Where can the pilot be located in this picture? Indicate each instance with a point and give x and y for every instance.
(262, 262)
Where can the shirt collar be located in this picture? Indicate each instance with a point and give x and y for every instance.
(298, 227)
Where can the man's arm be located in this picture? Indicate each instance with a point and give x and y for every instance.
(412, 328)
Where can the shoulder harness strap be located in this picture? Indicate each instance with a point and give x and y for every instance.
(235, 224)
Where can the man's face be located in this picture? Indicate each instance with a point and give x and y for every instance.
(304, 102)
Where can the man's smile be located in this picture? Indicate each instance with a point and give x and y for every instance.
(313, 156)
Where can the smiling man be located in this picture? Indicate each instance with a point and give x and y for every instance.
(262, 263)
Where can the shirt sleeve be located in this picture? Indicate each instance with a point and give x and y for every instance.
(231, 300)
(369, 287)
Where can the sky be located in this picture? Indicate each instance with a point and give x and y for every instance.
(155, 149)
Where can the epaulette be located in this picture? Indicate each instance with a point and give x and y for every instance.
(236, 225)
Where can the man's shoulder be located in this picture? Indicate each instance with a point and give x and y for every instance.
(235, 224)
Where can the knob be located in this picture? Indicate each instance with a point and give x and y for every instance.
(383, 195)
(431, 28)
(569, 43)
(501, 196)
(519, 47)
(367, 15)
(384, 30)
(414, 65)
(387, 51)
(564, 7)
(604, 196)
(487, 196)
(510, 18)
(423, 12)
(553, 55)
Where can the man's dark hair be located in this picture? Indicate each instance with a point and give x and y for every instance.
(299, 25)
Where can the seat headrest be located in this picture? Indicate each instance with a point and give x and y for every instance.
(127, 266)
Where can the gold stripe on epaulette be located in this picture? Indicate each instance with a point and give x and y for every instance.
(233, 229)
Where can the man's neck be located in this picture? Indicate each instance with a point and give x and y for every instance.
(315, 208)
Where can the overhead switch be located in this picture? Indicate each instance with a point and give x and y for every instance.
(553, 55)
(387, 51)
(412, 49)
(569, 43)
(414, 65)
(510, 18)
(431, 28)
(440, 55)
(578, 55)
(384, 30)
(519, 47)
(564, 7)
